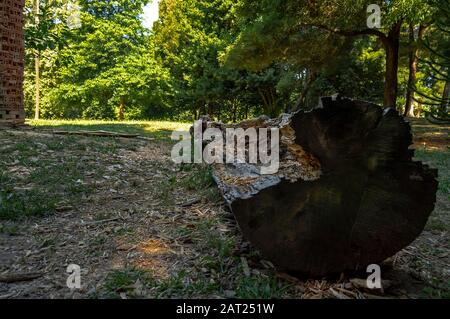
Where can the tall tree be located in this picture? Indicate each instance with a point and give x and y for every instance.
(188, 36)
(42, 32)
(436, 65)
(274, 26)
(413, 60)
(106, 68)
(37, 62)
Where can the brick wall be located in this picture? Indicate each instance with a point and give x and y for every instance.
(11, 61)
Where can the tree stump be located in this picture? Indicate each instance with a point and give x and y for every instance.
(347, 194)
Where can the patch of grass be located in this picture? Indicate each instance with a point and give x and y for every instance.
(224, 267)
(157, 129)
(437, 291)
(125, 231)
(220, 257)
(177, 285)
(187, 285)
(439, 159)
(435, 223)
(38, 173)
(47, 242)
(10, 229)
(166, 188)
(260, 287)
(181, 285)
(98, 241)
(221, 269)
(102, 216)
(199, 178)
(123, 280)
(17, 205)
(213, 195)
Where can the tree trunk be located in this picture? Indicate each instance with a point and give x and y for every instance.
(311, 77)
(122, 109)
(419, 109)
(37, 65)
(413, 57)
(409, 106)
(37, 68)
(268, 96)
(392, 45)
(445, 98)
(347, 194)
(211, 109)
(234, 108)
(12, 62)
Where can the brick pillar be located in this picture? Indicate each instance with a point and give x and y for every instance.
(11, 62)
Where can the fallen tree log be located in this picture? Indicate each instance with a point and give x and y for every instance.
(347, 194)
(12, 278)
(96, 133)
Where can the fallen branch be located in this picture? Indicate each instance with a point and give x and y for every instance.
(11, 278)
(102, 221)
(190, 203)
(97, 133)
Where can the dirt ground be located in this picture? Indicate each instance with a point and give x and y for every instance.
(141, 227)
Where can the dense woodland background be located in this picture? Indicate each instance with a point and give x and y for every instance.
(233, 59)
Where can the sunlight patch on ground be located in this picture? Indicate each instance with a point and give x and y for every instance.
(161, 129)
(153, 247)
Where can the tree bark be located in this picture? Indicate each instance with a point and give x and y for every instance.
(391, 43)
(445, 98)
(122, 109)
(347, 194)
(37, 69)
(392, 46)
(311, 77)
(268, 96)
(413, 57)
(37, 65)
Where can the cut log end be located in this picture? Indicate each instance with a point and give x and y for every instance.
(355, 196)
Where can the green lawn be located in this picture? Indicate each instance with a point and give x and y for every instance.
(158, 129)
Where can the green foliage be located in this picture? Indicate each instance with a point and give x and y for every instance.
(18, 205)
(309, 36)
(123, 280)
(229, 59)
(431, 292)
(190, 37)
(434, 85)
(108, 63)
(200, 178)
(260, 287)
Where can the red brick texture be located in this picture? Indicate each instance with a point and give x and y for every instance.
(11, 62)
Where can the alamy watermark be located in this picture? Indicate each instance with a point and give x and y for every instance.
(374, 279)
(74, 279)
(250, 146)
(74, 18)
(374, 19)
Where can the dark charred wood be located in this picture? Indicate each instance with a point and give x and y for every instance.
(355, 198)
